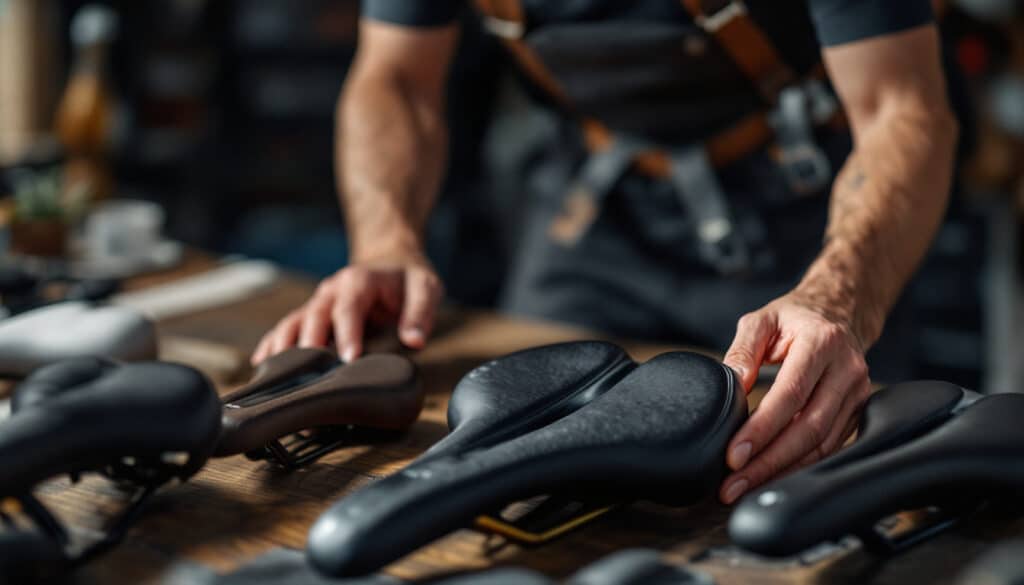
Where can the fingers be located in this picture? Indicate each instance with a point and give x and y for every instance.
(316, 319)
(281, 337)
(754, 333)
(423, 292)
(846, 422)
(355, 298)
(797, 377)
(808, 433)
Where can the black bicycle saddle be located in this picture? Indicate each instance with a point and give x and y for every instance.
(526, 390)
(139, 424)
(655, 431)
(304, 389)
(21, 291)
(30, 556)
(628, 567)
(920, 444)
(74, 329)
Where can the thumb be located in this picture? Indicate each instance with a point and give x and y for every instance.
(754, 331)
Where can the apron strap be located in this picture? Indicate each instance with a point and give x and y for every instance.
(731, 25)
(720, 243)
(593, 183)
(506, 20)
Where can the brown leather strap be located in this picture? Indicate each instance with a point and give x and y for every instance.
(749, 47)
(723, 149)
(738, 34)
(506, 20)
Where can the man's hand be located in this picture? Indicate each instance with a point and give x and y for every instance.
(813, 406)
(400, 290)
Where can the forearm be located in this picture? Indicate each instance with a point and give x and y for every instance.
(391, 149)
(887, 204)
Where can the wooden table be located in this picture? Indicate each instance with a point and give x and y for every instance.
(236, 509)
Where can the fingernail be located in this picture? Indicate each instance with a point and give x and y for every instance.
(348, 355)
(734, 491)
(414, 334)
(739, 455)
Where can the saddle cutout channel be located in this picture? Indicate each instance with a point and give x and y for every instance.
(303, 403)
(921, 445)
(556, 419)
(140, 425)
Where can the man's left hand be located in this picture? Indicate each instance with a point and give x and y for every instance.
(813, 405)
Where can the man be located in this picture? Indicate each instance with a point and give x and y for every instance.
(661, 251)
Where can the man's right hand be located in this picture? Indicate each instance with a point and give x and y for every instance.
(402, 290)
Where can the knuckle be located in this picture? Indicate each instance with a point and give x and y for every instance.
(325, 287)
(794, 391)
(749, 321)
(859, 368)
(832, 335)
(354, 275)
(739, 354)
(817, 428)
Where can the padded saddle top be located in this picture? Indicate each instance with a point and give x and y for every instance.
(91, 414)
(577, 416)
(920, 444)
(305, 388)
(73, 329)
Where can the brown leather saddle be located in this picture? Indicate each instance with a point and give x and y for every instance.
(302, 403)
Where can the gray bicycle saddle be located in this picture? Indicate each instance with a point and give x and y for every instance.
(139, 424)
(570, 418)
(921, 444)
(73, 329)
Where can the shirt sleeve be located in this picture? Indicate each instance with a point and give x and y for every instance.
(418, 13)
(845, 21)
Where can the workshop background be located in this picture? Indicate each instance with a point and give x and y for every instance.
(221, 113)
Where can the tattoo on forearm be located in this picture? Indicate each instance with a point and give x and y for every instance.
(857, 181)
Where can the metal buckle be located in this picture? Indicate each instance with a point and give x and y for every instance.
(712, 23)
(509, 30)
(720, 243)
(806, 168)
(803, 162)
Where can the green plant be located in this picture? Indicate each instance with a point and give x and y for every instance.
(40, 196)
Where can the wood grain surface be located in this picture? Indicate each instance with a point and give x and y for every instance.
(236, 509)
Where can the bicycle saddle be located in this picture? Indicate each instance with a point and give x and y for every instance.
(22, 291)
(29, 557)
(628, 567)
(73, 329)
(920, 444)
(306, 388)
(656, 431)
(139, 424)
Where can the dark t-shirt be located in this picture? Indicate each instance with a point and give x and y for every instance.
(835, 21)
(596, 49)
